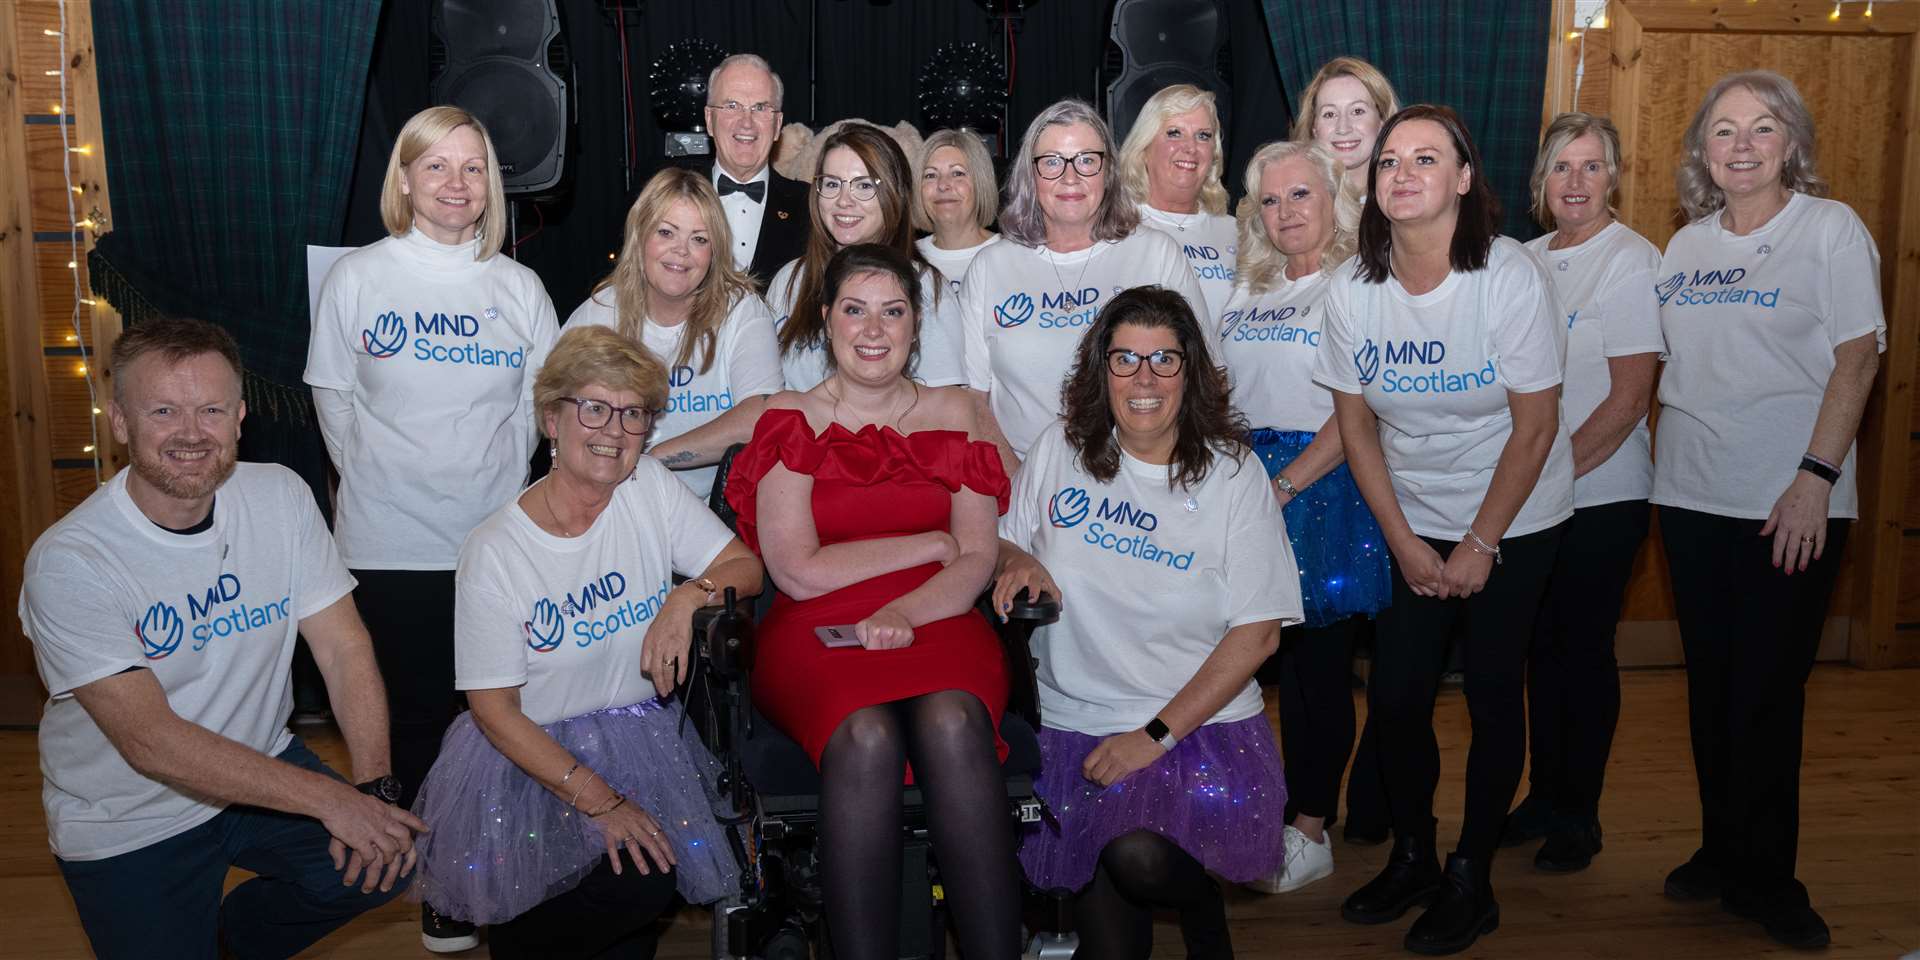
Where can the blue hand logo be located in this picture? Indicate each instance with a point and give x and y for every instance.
(1014, 311)
(1571, 317)
(1367, 358)
(1666, 288)
(1068, 507)
(159, 631)
(387, 336)
(543, 631)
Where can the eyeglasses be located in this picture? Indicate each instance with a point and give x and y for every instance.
(1087, 163)
(863, 188)
(1163, 363)
(594, 414)
(760, 111)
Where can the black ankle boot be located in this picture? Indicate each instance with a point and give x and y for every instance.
(1569, 848)
(1463, 910)
(1411, 876)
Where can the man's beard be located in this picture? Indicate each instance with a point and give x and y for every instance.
(162, 475)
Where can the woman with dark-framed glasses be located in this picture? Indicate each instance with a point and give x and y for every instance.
(1076, 244)
(571, 802)
(862, 190)
(1148, 516)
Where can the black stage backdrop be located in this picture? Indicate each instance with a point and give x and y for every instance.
(866, 64)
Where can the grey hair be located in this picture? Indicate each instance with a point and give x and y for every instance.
(749, 60)
(1022, 220)
(1565, 129)
(986, 191)
(1260, 262)
(1699, 195)
(1163, 106)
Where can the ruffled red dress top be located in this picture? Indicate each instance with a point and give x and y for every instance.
(867, 484)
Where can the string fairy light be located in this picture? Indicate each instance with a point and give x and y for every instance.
(92, 449)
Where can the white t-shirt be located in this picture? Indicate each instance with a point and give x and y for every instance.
(1605, 285)
(952, 264)
(746, 363)
(1023, 310)
(939, 342)
(1151, 578)
(1436, 369)
(1751, 323)
(438, 351)
(563, 618)
(744, 215)
(213, 614)
(1268, 342)
(1211, 242)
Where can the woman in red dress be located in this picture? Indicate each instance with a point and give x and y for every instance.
(874, 507)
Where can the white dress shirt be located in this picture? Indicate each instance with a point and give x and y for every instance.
(744, 215)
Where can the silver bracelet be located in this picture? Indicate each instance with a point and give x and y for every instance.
(1480, 546)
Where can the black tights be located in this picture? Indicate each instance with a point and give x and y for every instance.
(949, 737)
(1138, 872)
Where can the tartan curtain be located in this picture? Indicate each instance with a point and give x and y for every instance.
(1487, 59)
(231, 130)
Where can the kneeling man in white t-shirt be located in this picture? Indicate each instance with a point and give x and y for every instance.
(163, 612)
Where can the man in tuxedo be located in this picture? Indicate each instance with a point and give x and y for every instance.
(766, 211)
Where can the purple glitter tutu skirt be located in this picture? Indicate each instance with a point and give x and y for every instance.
(1220, 795)
(1337, 543)
(502, 844)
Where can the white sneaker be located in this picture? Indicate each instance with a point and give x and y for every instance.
(1306, 861)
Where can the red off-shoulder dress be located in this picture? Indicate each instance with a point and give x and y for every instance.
(867, 484)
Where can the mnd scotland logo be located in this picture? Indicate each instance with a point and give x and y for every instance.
(1015, 310)
(1367, 360)
(1705, 287)
(545, 629)
(590, 613)
(449, 338)
(385, 338)
(159, 631)
(215, 613)
(1068, 507)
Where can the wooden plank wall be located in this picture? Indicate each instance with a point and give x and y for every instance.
(1648, 69)
(52, 148)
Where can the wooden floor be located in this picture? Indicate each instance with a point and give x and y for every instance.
(1859, 851)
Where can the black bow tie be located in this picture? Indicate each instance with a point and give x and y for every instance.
(755, 191)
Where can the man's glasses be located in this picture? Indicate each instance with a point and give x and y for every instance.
(732, 108)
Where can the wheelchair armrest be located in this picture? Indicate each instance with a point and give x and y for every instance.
(724, 635)
(1040, 612)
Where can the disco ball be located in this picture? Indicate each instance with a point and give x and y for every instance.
(679, 83)
(963, 85)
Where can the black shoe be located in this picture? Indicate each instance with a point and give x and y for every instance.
(1694, 880)
(1359, 834)
(1569, 849)
(1797, 927)
(1463, 910)
(441, 934)
(1528, 822)
(1411, 876)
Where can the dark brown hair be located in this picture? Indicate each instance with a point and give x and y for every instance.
(863, 259)
(1473, 231)
(1208, 424)
(174, 339)
(805, 327)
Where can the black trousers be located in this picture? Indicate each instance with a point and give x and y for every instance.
(410, 615)
(1410, 648)
(1750, 634)
(1573, 680)
(1312, 673)
(606, 917)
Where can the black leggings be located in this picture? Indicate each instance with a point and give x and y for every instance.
(949, 737)
(409, 613)
(1312, 673)
(1573, 680)
(1410, 649)
(1138, 872)
(606, 917)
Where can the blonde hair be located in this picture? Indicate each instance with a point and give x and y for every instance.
(1162, 107)
(1378, 89)
(722, 287)
(1260, 262)
(1699, 195)
(421, 132)
(597, 355)
(1565, 129)
(986, 190)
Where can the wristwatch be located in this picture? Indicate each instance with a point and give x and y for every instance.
(385, 788)
(1157, 731)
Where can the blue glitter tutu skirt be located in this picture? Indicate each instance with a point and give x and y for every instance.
(502, 844)
(1220, 794)
(1342, 554)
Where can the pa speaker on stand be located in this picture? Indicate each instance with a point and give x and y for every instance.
(507, 63)
(1158, 43)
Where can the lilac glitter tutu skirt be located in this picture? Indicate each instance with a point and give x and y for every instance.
(1341, 551)
(502, 844)
(1220, 795)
